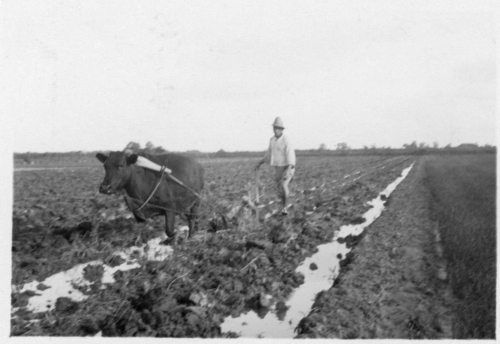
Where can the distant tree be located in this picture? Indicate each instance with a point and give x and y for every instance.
(342, 146)
(435, 145)
(220, 153)
(133, 146)
(468, 146)
(489, 148)
(411, 146)
(322, 147)
(422, 145)
(149, 146)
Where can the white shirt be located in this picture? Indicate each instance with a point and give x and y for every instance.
(280, 152)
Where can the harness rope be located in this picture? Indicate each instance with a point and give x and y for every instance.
(158, 181)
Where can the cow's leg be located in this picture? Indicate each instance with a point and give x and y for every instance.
(170, 223)
(169, 226)
(193, 218)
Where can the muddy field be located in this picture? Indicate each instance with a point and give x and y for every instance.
(396, 285)
(133, 287)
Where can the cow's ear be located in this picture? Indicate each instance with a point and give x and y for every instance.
(101, 157)
(131, 159)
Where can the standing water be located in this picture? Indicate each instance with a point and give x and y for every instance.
(67, 283)
(327, 259)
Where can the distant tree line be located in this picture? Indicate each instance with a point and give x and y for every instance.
(342, 149)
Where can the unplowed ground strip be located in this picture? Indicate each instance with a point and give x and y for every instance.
(463, 202)
(391, 287)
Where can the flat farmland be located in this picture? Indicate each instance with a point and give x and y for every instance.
(427, 268)
(60, 222)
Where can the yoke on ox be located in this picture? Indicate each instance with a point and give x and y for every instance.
(149, 192)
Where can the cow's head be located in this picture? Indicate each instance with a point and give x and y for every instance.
(118, 170)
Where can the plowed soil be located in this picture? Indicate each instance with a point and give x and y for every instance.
(60, 220)
(395, 286)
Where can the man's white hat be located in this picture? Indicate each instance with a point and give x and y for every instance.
(278, 123)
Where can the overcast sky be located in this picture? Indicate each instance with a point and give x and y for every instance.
(210, 75)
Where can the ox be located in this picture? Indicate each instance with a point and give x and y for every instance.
(170, 197)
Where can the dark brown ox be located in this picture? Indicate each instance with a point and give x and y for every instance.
(169, 199)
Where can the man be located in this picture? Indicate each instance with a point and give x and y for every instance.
(282, 156)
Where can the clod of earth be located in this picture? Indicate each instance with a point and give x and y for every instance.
(358, 220)
(265, 300)
(66, 305)
(42, 286)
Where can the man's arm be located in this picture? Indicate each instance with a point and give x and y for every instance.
(266, 158)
